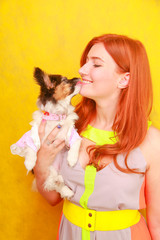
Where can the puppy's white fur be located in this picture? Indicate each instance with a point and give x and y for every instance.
(54, 180)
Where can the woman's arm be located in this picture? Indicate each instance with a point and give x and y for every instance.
(153, 183)
(45, 158)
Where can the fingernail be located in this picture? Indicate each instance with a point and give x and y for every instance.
(43, 120)
(59, 126)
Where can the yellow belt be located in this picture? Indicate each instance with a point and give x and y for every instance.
(97, 220)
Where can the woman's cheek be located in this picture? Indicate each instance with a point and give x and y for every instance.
(95, 75)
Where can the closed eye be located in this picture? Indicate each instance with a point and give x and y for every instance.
(96, 65)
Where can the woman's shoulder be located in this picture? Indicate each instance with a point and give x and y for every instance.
(153, 136)
(151, 145)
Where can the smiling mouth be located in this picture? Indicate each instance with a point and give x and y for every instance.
(86, 81)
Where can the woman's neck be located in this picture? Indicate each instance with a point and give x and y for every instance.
(105, 115)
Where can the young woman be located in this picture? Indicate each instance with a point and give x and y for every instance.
(118, 170)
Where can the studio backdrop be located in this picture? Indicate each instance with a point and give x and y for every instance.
(52, 35)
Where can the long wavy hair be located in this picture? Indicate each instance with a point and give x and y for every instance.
(135, 102)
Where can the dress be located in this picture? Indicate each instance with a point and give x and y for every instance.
(113, 190)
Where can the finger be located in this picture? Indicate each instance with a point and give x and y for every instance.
(57, 142)
(60, 146)
(41, 129)
(53, 134)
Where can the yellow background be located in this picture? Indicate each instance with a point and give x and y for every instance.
(51, 34)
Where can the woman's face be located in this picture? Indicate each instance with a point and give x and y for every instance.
(99, 74)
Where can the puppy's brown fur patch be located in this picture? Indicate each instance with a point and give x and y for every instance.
(62, 91)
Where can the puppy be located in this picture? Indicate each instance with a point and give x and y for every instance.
(54, 103)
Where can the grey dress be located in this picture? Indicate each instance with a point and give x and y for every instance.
(113, 190)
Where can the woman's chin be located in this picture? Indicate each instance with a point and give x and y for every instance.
(85, 94)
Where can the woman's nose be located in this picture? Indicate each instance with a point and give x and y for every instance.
(83, 70)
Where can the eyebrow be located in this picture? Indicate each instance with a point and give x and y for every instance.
(95, 58)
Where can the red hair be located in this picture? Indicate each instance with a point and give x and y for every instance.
(135, 102)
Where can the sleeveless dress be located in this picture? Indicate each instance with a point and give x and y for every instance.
(113, 190)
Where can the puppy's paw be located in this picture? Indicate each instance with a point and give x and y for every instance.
(16, 150)
(29, 165)
(66, 192)
(59, 180)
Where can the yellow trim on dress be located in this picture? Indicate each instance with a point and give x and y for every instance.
(92, 220)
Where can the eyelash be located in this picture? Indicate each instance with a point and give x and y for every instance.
(96, 65)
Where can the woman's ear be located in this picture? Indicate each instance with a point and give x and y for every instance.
(124, 80)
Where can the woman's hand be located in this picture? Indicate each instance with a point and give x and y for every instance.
(45, 157)
(50, 146)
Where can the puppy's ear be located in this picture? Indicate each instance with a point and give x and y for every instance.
(42, 78)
